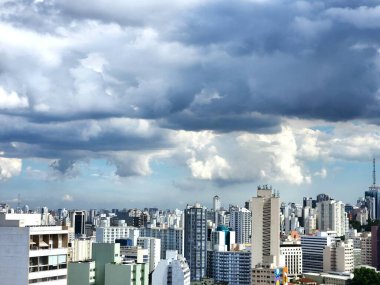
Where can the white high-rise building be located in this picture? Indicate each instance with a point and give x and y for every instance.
(216, 203)
(174, 270)
(292, 253)
(339, 257)
(172, 238)
(241, 223)
(153, 245)
(310, 224)
(31, 253)
(265, 227)
(332, 217)
(216, 208)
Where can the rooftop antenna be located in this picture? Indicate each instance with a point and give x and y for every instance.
(374, 171)
(18, 200)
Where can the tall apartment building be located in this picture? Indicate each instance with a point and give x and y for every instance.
(312, 251)
(292, 253)
(78, 221)
(216, 203)
(366, 248)
(265, 226)
(171, 238)
(332, 217)
(196, 240)
(339, 257)
(232, 267)
(31, 253)
(241, 223)
(375, 240)
(216, 208)
(173, 270)
(153, 245)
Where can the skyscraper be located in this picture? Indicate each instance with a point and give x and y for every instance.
(265, 226)
(332, 217)
(216, 203)
(78, 220)
(241, 223)
(216, 209)
(196, 240)
(372, 196)
(375, 233)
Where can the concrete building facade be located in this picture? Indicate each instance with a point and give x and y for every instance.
(331, 216)
(196, 240)
(292, 253)
(312, 251)
(241, 223)
(339, 257)
(31, 253)
(232, 267)
(171, 238)
(173, 270)
(265, 239)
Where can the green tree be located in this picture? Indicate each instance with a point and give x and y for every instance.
(365, 276)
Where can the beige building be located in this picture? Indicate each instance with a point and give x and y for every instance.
(366, 248)
(80, 250)
(265, 210)
(265, 274)
(339, 257)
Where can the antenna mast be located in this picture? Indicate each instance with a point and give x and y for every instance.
(374, 171)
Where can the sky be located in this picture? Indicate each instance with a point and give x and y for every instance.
(165, 103)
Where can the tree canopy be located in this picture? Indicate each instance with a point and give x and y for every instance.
(365, 276)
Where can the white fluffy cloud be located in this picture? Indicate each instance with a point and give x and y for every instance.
(11, 100)
(67, 198)
(240, 157)
(9, 167)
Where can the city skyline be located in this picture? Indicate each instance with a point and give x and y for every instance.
(163, 104)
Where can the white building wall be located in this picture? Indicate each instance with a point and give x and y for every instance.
(332, 217)
(14, 255)
(110, 234)
(160, 274)
(153, 245)
(293, 259)
(241, 223)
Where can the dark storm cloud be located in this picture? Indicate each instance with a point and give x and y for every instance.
(293, 60)
(91, 74)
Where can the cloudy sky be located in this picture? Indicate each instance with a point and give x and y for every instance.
(164, 103)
